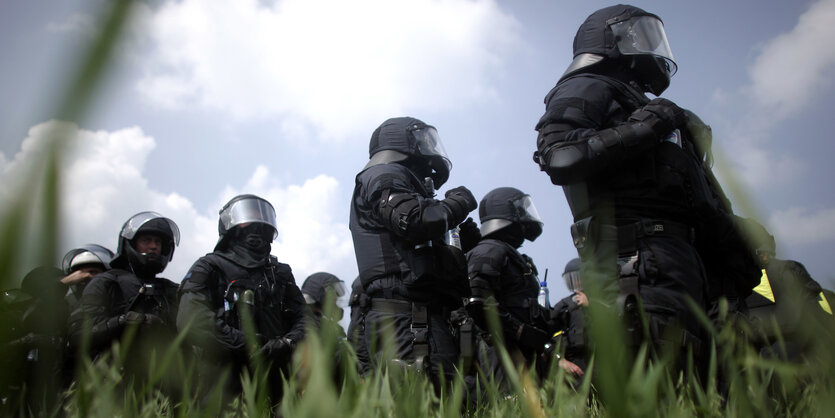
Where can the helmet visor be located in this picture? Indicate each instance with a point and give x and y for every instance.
(429, 145)
(644, 35)
(526, 211)
(87, 254)
(248, 211)
(133, 225)
(572, 281)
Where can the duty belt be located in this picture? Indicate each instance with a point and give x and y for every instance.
(629, 234)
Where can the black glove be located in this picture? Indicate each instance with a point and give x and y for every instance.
(131, 318)
(276, 349)
(470, 234)
(460, 201)
(137, 318)
(532, 337)
(661, 115)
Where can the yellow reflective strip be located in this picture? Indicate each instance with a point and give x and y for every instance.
(825, 303)
(557, 334)
(764, 288)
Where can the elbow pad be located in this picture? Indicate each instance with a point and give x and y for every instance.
(397, 211)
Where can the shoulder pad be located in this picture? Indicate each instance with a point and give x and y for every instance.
(487, 258)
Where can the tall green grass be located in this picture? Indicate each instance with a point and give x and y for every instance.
(739, 383)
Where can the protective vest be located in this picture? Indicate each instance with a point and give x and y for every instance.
(264, 291)
(156, 296)
(569, 319)
(513, 278)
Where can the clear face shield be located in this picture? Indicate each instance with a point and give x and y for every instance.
(529, 217)
(429, 146)
(133, 225)
(249, 210)
(572, 281)
(88, 254)
(339, 291)
(644, 35)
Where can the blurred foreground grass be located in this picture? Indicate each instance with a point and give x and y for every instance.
(739, 384)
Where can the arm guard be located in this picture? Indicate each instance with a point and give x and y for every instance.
(571, 161)
(416, 219)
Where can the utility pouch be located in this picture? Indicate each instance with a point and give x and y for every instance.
(582, 234)
(629, 298)
(466, 342)
(423, 264)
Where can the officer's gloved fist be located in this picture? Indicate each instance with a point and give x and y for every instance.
(532, 337)
(460, 201)
(132, 318)
(153, 320)
(662, 116)
(276, 348)
(470, 234)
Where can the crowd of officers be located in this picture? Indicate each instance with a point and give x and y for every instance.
(437, 293)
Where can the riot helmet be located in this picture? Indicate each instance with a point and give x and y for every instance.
(246, 210)
(86, 255)
(413, 143)
(628, 35)
(315, 289)
(571, 275)
(146, 264)
(762, 242)
(505, 206)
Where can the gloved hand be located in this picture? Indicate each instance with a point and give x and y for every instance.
(661, 115)
(532, 337)
(460, 201)
(470, 234)
(132, 318)
(137, 318)
(276, 349)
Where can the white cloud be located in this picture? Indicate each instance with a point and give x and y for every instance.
(799, 226)
(103, 184)
(790, 71)
(797, 66)
(74, 23)
(334, 65)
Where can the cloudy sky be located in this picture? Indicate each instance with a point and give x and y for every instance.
(209, 99)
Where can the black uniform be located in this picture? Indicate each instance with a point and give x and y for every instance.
(511, 280)
(212, 297)
(636, 175)
(116, 298)
(570, 322)
(35, 368)
(398, 267)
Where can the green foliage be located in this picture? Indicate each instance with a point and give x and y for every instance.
(324, 380)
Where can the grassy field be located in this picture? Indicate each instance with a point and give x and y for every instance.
(739, 382)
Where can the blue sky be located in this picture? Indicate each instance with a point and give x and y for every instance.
(209, 99)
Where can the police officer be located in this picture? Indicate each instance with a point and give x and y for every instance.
(569, 320)
(503, 279)
(412, 277)
(788, 309)
(131, 294)
(315, 290)
(636, 174)
(80, 265)
(32, 342)
(238, 304)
